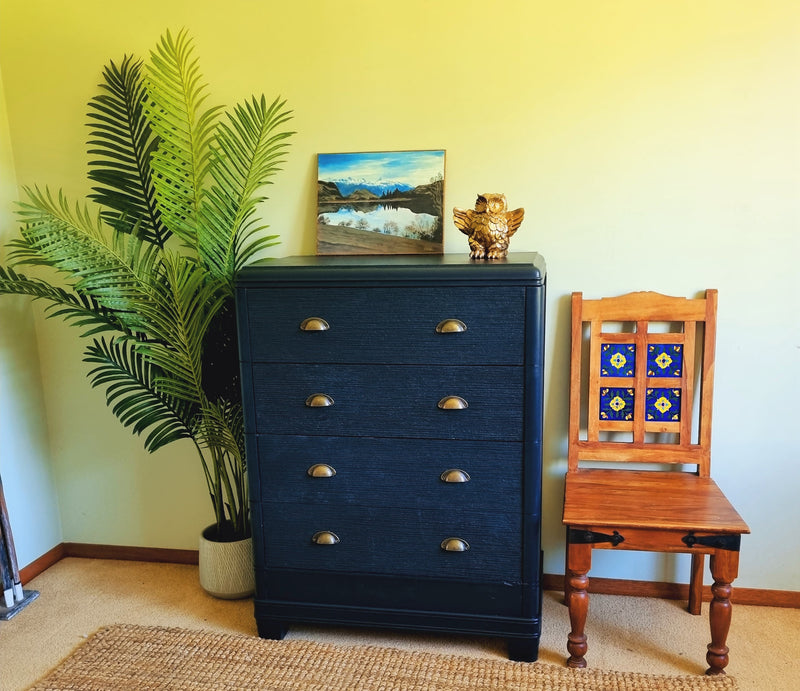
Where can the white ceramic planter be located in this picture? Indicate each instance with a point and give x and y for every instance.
(226, 568)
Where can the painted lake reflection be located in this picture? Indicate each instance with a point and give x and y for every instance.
(389, 219)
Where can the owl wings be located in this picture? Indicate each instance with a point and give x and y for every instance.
(464, 219)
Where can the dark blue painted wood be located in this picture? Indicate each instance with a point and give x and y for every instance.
(379, 325)
(519, 268)
(386, 369)
(376, 471)
(393, 592)
(404, 542)
(522, 633)
(389, 400)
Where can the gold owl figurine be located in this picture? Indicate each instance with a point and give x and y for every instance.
(489, 226)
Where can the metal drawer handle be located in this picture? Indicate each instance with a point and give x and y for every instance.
(454, 544)
(325, 537)
(321, 470)
(314, 324)
(453, 403)
(455, 475)
(319, 400)
(451, 326)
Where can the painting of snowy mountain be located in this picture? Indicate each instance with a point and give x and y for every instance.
(388, 202)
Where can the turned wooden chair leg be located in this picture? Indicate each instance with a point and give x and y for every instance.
(579, 561)
(566, 571)
(696, 584)
(724, 569)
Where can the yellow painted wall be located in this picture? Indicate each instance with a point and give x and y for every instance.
(654, 145)
(25, 466)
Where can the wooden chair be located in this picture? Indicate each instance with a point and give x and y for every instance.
(642, 370)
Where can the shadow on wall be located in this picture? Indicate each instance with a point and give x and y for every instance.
(21, 396)
(24, 449)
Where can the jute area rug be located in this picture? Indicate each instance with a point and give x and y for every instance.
(128, 658)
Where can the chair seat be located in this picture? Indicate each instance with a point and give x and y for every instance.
(649, 500)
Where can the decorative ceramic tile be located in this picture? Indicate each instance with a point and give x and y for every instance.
(617, 360)
(663, 405)
(616, 403)
(664, 360)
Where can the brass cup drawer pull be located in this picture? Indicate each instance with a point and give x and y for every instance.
(455, 475)
(325, 537)
(453, 403)
(319, 400)
(321, 470)
(451, 326)
(454, 544)
(314, 324)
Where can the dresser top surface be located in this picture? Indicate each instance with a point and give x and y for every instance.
(523, 267)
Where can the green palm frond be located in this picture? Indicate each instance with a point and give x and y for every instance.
(225, 427)
(95, 263)
(181, 316)
(173, 107)
(247, 153)
(161, 165)
(131, 392)
(79, 310)
(222, 432)
(124, 141)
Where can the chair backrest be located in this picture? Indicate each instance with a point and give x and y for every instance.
(641, 384)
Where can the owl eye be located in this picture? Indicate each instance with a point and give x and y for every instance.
(481, 200)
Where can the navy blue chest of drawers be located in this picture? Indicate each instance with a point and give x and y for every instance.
(393, 421)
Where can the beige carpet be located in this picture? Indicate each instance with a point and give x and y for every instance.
(632, 634)
(145, 658)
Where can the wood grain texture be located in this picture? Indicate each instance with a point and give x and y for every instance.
(648, 499)
(639, 319)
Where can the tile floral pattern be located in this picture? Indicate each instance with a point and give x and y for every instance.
(618, 360)
(662, 404)
(664, 360)
(616, 403)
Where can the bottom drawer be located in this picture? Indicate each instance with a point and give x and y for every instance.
(400, 542)
(332, 590)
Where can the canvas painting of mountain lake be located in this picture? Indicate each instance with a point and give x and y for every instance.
(387, 202)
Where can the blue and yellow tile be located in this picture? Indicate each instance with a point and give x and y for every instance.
(664, 360)
(617, 360)
(663, 405)
(616, 403)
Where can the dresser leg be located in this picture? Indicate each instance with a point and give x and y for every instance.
(523, 649)
(271, 629)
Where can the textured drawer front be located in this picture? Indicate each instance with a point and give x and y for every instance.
(389, 401)
(498, 598)
(374, 325)
(393, 541)
(392, 472)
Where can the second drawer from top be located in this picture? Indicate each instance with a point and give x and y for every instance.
(388, 401)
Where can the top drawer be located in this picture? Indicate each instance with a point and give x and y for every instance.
(377, 325)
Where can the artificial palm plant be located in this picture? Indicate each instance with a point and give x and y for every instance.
(148, 276)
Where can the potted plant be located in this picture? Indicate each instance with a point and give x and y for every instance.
(149, 276)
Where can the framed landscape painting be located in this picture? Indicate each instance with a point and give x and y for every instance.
(387, 202)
